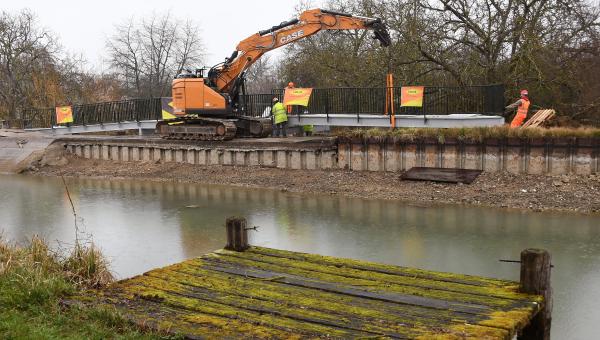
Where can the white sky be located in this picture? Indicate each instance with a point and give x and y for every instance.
(83, 26)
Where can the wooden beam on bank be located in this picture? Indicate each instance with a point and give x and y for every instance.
(254, 292)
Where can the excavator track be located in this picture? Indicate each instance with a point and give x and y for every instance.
(197, 128)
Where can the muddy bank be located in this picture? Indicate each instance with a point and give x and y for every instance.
(502, 190)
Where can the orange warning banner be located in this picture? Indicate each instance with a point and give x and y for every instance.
(412, 96)
(297, 96)
(64, 114)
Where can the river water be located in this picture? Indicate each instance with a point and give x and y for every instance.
(142, 225)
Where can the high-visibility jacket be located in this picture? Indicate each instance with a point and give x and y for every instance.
(279, 113)
(524, 107)
(521, 113)
(308, 128)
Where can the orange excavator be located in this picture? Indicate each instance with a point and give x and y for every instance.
(212, 107)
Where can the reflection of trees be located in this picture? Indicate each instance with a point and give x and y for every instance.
(33, 205)
(453, 238)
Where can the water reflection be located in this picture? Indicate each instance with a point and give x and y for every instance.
(142, 225)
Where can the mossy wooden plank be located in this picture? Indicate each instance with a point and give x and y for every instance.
(271, 294)
(452, 300)
(177, 321)
(383, 268)
(278, 309)
(179, 300)
(374, 294)
(341, 315)
(273, 290)
(382, 278)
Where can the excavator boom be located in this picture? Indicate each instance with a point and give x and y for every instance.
(308, 23)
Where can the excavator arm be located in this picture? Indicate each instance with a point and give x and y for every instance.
(226, 77)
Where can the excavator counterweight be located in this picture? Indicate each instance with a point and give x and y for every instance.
(212, 108)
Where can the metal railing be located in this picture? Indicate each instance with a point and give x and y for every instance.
(437, 100)
(441, 100)
(130, 110)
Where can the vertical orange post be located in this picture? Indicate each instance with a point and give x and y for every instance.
(389, 100)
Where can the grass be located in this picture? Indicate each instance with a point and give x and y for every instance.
(471, 134)
(34, 279)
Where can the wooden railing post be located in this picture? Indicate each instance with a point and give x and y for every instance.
(237, 234)
(535, 279)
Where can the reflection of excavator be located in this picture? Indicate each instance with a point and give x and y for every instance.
(212, 107)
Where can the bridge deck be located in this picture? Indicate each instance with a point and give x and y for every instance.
(267, 293)
(357, 120)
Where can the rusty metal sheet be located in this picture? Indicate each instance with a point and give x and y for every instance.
(441, 175)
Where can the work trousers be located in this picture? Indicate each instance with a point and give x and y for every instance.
(518, 120)
(280, 129)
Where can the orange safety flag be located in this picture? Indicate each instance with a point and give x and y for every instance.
(297, 96)
(412, 96)
(64, 114)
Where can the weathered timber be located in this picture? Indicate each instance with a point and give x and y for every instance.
(535, 279)
(540, 117)
(441, 175)
(266, 293)
(262, 293)
(237, 234)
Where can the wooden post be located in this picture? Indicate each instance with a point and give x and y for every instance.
(237, 235)
(535, 279)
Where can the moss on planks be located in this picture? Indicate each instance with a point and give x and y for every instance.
(264, 293)
(378, 267)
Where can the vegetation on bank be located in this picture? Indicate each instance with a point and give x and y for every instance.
(34, 279)
(469, 134)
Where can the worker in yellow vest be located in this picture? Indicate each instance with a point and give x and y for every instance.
(308, 129)
(280, 118)
(522, 106)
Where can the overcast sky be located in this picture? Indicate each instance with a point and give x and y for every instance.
(83, 26)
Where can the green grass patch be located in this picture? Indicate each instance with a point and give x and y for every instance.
(468, 134)
(33, 281)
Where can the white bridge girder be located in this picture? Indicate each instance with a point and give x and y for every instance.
(120, 126)
(363, 120)
(415, 121)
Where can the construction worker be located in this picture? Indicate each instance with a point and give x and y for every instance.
(308, 129)
(522, 106)
(279, 118)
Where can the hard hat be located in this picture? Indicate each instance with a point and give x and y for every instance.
(290, 84)
(524, 93)
(275, 99)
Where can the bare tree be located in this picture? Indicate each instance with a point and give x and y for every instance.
(261, 76)
(547, 46)
(147, 54)
(26, 52)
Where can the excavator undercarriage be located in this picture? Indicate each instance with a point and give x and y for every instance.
(193, 127)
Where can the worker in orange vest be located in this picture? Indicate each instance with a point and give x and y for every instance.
(522, 106)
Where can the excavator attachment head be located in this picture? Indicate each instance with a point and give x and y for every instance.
(381, 32)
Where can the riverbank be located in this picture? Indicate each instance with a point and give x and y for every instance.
(575, 193)
(33, 281)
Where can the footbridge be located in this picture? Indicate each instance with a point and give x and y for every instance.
(443, 107)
